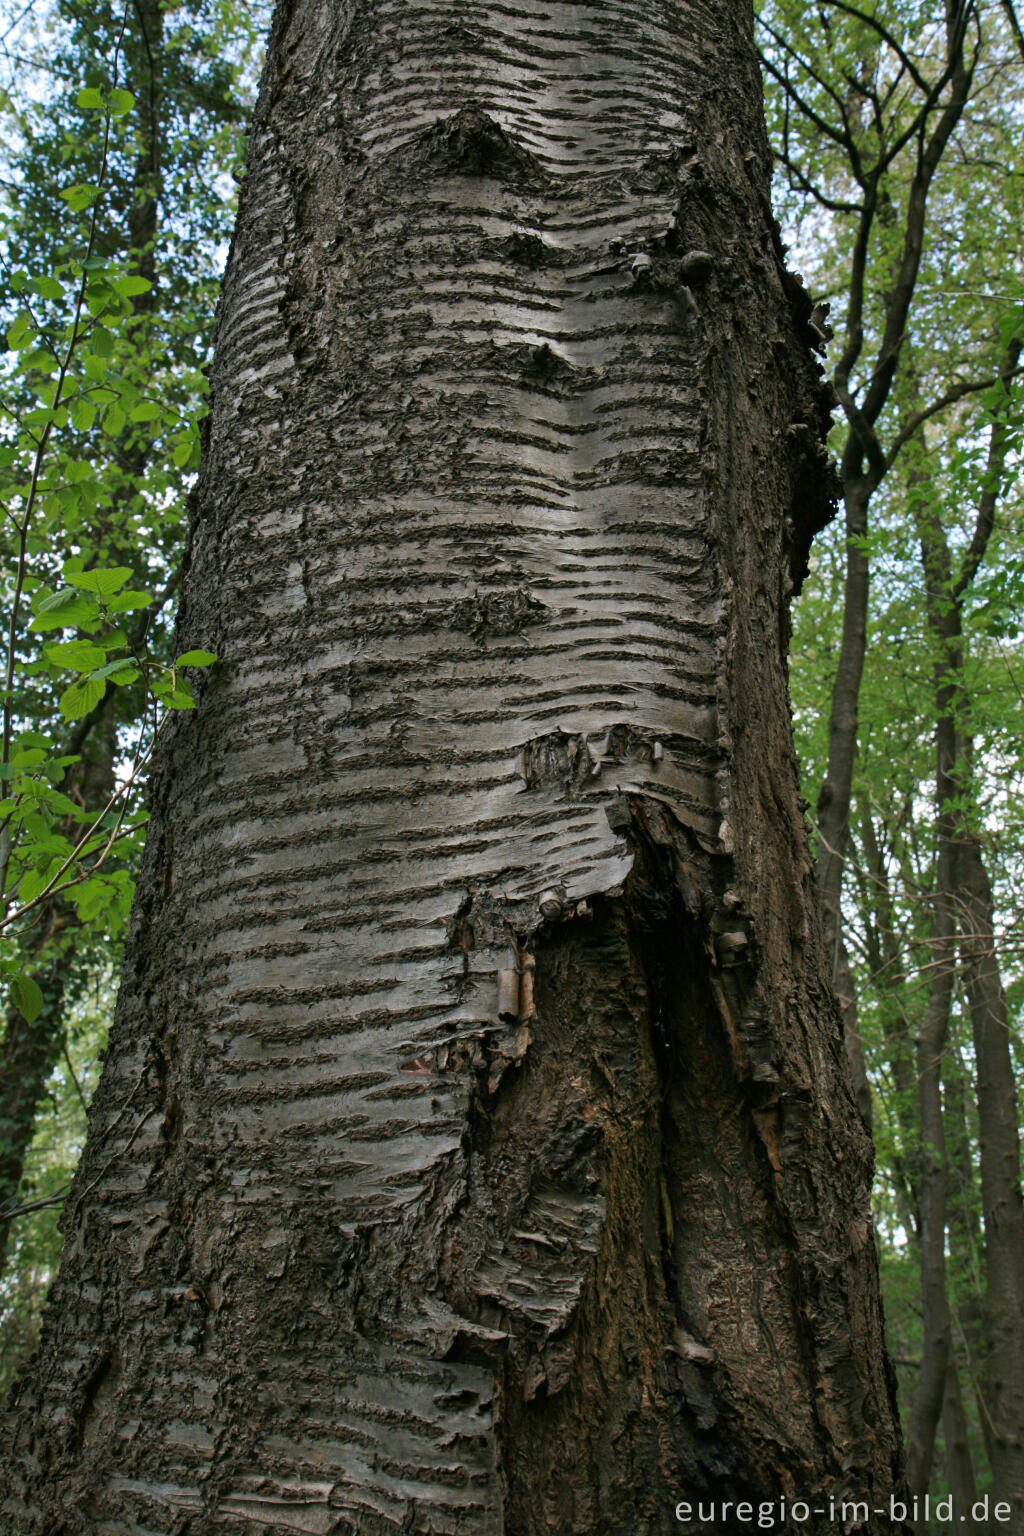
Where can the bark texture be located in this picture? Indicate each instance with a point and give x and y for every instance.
(476, 1151)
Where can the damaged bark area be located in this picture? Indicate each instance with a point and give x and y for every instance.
(643, 1170)
(475, 1154)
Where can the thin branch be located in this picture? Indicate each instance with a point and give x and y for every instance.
(34, 1205)
(74, 1075)
(118, 800)
(802, 63)
(1011, 16)
(949, 397)
(834, 205)
(887, 37)
(837, 137)
(998, 447)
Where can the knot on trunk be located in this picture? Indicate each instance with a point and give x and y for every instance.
(471, 143)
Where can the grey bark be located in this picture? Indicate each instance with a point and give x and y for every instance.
(476, 1150)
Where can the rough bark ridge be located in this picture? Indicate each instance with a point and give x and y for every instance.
(475, 1153)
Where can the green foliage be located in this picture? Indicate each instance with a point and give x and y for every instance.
(137, 109)
(72, 372)
(121, 133)
(854, 93)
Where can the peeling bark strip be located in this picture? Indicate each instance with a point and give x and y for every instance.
(475, 1152)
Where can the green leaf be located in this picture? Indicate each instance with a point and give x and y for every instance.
(31, 885)
(81, 697)
(101, 341)
(63, 610)
(83, 414)
(47, 287)
(40, 360)
(21, 333)
(121, 102)
(91, 100)
(131, 286)
(27, 998)
(149, 410)
(120, 672)
(38, 416)
(196, 659)
(81, 196)
(103, 582)
(91, 897)
(77, 655)
(65, 807)
(124, 601)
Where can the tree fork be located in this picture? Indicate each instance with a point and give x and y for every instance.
(475, 1150)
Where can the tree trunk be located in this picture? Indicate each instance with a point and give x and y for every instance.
(998, 1114)
(476, 1150)
(959, 1466)
(926, 1410)
(846, 995)
(834, 797)
(28, 1054)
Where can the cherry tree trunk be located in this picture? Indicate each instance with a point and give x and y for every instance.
(475, 1152)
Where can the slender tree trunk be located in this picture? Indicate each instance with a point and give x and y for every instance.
(888, 970)
(959, 1465)
(476, 1150)
(146, 75)
(28, 1054)
(834, 797)
(966, 1237)
(936, 1343)
(998, 1112)
(846, 995)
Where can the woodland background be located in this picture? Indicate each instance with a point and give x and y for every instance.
(899, 139)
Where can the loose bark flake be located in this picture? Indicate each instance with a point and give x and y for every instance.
(475, 1153)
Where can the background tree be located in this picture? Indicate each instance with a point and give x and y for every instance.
(899, 141)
